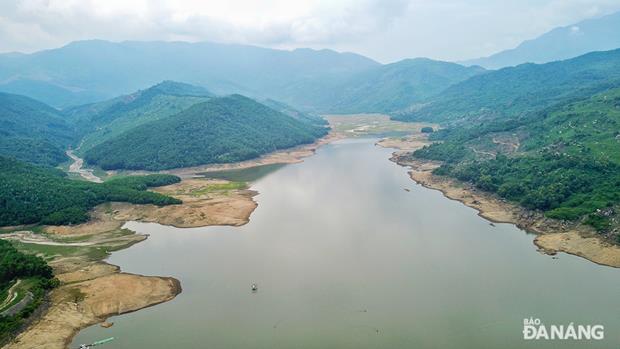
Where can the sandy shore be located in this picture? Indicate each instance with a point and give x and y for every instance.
(93, 290)
(553, 236)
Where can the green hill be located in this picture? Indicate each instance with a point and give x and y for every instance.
(396, 86)
(32, 131)
(220, 130)
(307, 117)
(564, 160)
(31, 194)
(522, 89)
(102, 121)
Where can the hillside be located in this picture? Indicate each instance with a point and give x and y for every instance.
(101, 121)
(31, 194)
(522, 89)
(220, 130)
(396, 86)
(564, 160)
(306, 117)
(103, 69)
(32, 131)
(598, 34)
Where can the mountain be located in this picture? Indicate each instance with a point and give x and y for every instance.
(398, 85)
(106, 69)
(306, 117)
(48, 93)
(101, 121)
(33, 131)
(31, 194)
(226, 129)
(598, 34)
(563, 160)
(519, 90)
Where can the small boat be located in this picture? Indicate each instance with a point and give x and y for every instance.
(254, 287)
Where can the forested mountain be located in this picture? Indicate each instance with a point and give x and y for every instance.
(307, 117)
(522, 89)
(101, 121)
(309, 80)
(220, 130)
(32, 131)
(396, 86)
(563, 160)
(598, 34)
(102, 69)
(31, 194)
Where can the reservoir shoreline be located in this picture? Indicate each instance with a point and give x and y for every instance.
(553, 236)
(94, 290)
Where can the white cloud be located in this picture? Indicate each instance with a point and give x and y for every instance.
(387, 30)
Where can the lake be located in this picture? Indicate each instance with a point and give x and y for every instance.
(344, 257)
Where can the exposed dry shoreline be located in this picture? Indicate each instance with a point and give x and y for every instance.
(93, 290)
(553, 236)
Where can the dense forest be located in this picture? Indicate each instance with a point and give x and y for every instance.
(221, 130)
(98, 122)
(31, 194)
(515, 91)
(32, 131)
(17, 265)
(567, 163)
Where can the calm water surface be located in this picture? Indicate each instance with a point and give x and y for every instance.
(344, 257)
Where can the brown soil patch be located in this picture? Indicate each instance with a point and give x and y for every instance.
(554, 236)
(89, 302)
(589, 247)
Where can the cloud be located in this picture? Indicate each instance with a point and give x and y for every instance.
(383, 29)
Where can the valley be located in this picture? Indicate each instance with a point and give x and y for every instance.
(202, 194)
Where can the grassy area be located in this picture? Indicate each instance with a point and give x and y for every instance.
(21, 290)
(218, 187)
(360, 125)
(250, 174)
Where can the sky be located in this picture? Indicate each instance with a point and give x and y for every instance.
(385, 30)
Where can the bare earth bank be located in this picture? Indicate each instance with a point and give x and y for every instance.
(553, 236)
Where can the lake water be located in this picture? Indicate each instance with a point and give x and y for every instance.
(344, 257)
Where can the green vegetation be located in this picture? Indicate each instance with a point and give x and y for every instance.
(32, 131)
(517, 91)
(35, 277)
(395, 86)
(31, 194)
(219, 187)
(567, 164)
(283, 108)
(249, 174)
(221, 130)
(427, 129)
(102, 121)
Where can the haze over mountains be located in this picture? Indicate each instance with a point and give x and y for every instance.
(597, 34)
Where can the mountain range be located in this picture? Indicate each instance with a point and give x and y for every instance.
(596, 34)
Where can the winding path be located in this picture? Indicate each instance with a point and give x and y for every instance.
(76, 167)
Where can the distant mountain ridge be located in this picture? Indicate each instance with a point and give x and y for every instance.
(597, 34)
(522, 89)
(397, 85)
(319, 81)
(107, 69)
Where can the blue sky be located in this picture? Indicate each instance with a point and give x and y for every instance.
(386, 30)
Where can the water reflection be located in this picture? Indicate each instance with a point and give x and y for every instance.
(346, 258)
